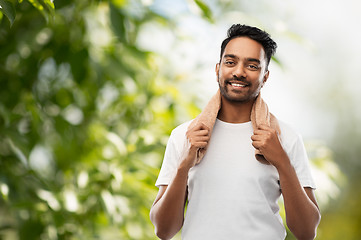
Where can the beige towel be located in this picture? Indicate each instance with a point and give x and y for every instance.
(259, 115)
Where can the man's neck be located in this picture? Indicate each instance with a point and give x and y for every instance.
(235, 112)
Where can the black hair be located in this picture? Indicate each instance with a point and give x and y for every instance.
(238, 30)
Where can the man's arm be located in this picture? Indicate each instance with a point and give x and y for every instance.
(167, 212)
(302, 213)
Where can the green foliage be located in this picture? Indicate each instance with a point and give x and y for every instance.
(85, 115)
(206, 11)
(84, 119)
(46, 7)
(8, 9)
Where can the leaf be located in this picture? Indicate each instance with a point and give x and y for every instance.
(277, 61)
(46, 7)
(8, 9)
(36, 4)
(119, 3)
(207, 13)
(117, 19)
(49, 5)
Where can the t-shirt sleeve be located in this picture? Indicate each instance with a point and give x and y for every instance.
(300, 162)
(170, 162)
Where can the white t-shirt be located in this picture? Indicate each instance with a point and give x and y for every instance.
(231, 195)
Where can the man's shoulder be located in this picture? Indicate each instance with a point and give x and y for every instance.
(288, 134)
(286, 128)
(181, 129)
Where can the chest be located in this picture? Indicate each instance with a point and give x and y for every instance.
(230, 166)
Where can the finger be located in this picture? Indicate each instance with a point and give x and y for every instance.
(256, 137)
(200, 126)
(201, 132)
(264, 127)
(256, 144)
(204, 126)
(200, 144)
(201, 139)
(196, 138)
(260, 132)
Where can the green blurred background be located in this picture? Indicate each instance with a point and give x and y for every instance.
(90, 91)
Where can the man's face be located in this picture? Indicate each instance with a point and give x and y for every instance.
(242, 70)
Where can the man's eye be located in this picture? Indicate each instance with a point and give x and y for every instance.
(253, 67)
(229, 62)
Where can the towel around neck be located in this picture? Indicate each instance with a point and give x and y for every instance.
(259, 115)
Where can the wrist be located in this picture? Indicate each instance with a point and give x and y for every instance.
(284, 166)
(282, 162)
(183, 168)
(189, 161)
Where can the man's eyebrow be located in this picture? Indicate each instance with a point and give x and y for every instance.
(253, 60)
(247, 59)
(231, 56)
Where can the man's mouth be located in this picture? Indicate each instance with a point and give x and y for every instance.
(238, 84)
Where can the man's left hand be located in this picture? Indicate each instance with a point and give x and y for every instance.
(266, 140)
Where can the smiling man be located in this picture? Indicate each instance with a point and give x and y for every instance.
(230, 193)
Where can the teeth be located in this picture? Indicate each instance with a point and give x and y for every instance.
(237, 85)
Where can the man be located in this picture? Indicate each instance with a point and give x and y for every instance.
(230, 194)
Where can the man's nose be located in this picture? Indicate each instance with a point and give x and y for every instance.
(239, 72)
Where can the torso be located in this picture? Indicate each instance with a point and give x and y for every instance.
(231, 195)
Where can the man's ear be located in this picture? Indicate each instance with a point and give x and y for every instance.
(217, 70)
(265, 77)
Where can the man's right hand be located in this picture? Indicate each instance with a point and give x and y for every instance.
(198, 137)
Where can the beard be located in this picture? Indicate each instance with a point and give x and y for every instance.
(241, 97)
